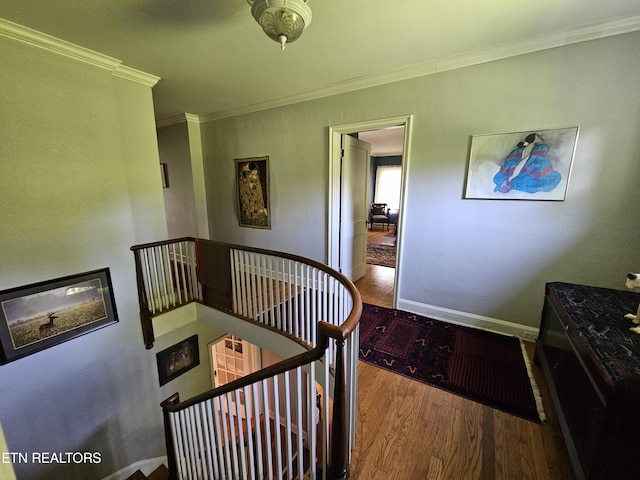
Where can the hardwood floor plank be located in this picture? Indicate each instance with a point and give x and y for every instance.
(471, 437)
(408, 435)
(506, 457)
(436, 469)
(448, 446)
(488, 451)
(533, 459)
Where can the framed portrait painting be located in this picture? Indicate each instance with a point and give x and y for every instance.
(529, 165)
(252, 188)
(41, 315)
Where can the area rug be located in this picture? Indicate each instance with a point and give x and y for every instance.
(488, 368)
(384, 255)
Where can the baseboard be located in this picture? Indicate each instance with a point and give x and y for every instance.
(469, 319)
(145, 466)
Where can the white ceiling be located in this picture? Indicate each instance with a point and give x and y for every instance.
(385, 142)
(213, 59)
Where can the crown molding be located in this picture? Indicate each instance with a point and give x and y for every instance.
(166, 122)
(55, 45)
(192, 117)
(542, 42)
(181, 118)
(66, 49)
(533, 44)
(134, 75)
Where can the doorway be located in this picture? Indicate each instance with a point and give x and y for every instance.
(367, 131)
(233, 358)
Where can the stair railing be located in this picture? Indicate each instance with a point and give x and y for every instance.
(262, 426)
(294, 295)
(219, 434)
(167, 279)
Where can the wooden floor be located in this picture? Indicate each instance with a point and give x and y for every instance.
(409, 431)
(381, 236)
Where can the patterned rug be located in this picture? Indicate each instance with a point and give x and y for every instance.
(485, 367)
(384, 255)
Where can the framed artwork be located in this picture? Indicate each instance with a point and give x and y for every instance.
(178, 359)
(530, 165)
(252, 186)
(41, 315)
(164, 173)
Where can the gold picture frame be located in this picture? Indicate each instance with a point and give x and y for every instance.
(252, 192)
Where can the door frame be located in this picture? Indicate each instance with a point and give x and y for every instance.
(333, 211)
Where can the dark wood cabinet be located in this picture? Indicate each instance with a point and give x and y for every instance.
(592, 364)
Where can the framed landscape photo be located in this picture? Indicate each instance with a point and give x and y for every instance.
(38, 316)
(529, 165)
(178, 359)
(252, 187)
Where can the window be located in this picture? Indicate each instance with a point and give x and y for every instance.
(388, 180)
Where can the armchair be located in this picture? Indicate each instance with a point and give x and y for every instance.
(379, 214)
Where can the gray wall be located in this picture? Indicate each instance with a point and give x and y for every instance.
(480, 257)
(173, 144)
(80, 185)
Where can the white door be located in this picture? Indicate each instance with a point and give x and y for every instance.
(233, 358)
(229, 360)
(353, 207)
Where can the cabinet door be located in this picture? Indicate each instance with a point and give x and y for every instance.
(580, 403)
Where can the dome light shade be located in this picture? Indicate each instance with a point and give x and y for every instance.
(282, 20)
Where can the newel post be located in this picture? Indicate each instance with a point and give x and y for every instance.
(145, 314)
(339, 449)
(171, 454)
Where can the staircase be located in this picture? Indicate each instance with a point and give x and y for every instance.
(283, 434)
(160, 473)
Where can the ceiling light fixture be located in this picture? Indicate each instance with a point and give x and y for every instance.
(282, 20)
